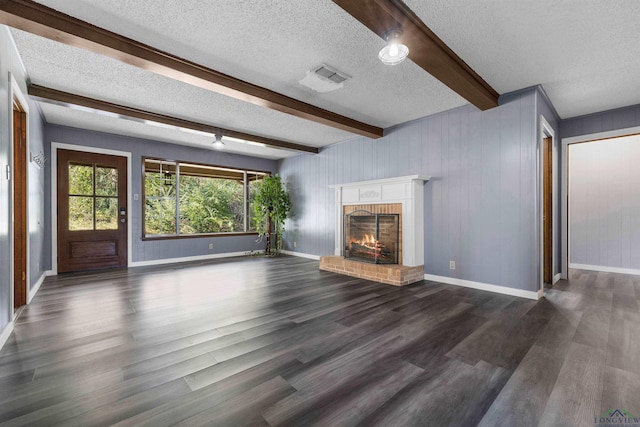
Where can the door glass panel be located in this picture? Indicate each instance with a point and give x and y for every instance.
(106, 181)
(106, 213)
(80, 213)
(81, 180)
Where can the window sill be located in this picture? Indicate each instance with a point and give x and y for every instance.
(198, 236)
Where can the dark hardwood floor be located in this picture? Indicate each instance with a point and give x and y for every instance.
(276, 342)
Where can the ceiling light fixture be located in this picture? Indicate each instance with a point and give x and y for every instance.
(394, 52)
(218, 144)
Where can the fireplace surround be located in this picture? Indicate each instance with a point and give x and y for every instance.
(401, 195)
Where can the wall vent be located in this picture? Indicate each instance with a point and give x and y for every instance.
(331, 73)
(324, 78)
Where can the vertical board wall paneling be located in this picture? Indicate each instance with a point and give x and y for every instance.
(39, 249)
(480, 205)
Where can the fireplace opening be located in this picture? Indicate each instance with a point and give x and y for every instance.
(371, 237)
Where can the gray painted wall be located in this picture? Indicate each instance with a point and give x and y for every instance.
(160, 249)
(480, 205)
(601, 122)
(604, 203)
(39, 249)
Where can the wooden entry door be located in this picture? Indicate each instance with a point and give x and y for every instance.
(92, 211)
(547, 215)
(19, 206)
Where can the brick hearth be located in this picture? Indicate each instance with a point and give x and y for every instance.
(391, 274)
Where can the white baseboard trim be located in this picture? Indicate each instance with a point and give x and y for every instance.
(32, 293)
(6, 333)
(605, 269)
(187, 259)
(301, 255)
(556, 278)
(483, 286)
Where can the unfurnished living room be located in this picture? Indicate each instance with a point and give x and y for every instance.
(319, 212)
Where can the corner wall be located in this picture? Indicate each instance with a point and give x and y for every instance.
(604, 205)
(10, 64)
(603, 227)
(480, 204)
(546, 110)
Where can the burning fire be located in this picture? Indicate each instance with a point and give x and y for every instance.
(367, 246)
(368, 240)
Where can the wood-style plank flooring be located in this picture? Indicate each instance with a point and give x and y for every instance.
(276, 342)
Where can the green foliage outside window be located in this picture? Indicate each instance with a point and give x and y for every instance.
(211, 200)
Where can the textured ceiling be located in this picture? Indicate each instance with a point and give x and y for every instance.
(584, 53)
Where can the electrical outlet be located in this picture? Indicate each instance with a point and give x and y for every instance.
(452, 265)
(210, 245)
(295, 244)
(136, 197)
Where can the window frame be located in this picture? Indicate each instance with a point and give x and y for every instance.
(178, 235)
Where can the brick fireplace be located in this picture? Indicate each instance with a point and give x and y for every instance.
(401, 197)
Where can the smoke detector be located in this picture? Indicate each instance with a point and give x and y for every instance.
(324, 78)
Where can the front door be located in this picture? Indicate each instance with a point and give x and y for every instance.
(92, 211)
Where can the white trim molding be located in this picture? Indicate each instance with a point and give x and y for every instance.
(187, 259)
(546, 131)
(31, 293)
(556, 278)
(5, 334)
(55, 146)
(565, 232)
(605, 269)
(534, 295)
(302, 255)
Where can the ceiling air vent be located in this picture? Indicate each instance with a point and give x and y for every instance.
(324, 78)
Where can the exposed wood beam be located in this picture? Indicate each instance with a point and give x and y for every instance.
(425, 47)
(64, 98)
(35, 18)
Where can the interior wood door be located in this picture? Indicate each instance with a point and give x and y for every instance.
(547, 165)
(92, 211)
(19, 206)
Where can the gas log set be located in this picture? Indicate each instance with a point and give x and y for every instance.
(371, 237)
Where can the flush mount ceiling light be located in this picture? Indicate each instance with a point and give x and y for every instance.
(218, 144)
(394, 52)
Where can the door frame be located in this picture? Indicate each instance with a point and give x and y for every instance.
(15, 93)
(546, 131)
(565, 236)
(55, 146)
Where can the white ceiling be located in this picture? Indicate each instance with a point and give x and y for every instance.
(585, 53)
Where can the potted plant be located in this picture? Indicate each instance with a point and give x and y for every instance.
(271, 207)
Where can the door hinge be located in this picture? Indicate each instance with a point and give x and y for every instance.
(8, 172)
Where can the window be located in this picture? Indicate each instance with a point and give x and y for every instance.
(93, 197)
(185, 199)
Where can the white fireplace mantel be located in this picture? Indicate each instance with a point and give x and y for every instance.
(407, 190)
